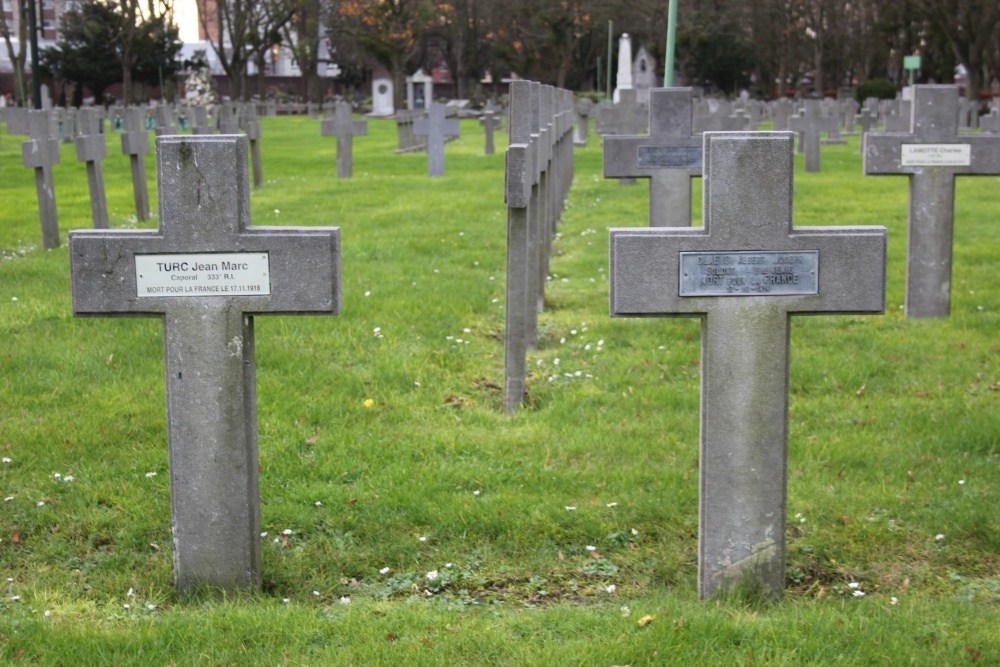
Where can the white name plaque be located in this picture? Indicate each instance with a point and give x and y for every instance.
(935, 155)
(203, 274)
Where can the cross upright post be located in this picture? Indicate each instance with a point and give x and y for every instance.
(670, 156)
(92, 148)
(135, 144)
(344, 129)
(40, 153)
(250, 125)
(810, 123)
(435, 127)
(744, 274)
(932, 154)
(206, 273)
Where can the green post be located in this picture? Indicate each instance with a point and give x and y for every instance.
(600, 90)
(668, 71)
(607, 81)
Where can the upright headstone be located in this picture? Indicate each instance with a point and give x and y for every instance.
(206, 272)
(583, 110)
(867, 121)
(250, 125)
(932, 154)
(898, 120)
(202, 122)
(92, 148)
(40, 153)
(781, 109)
(624, 76)
(165, 124)
(382, 93)
(990, 122)
(744, 274)
(17, 120)
(810, 123)
(135, 144)
(435, 127)
(344, 128)
(490, 122)
(226, 121)
(670, 156)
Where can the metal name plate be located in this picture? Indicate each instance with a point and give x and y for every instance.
(935, 155)
(203, 274)
(666, 157)
(764, 273)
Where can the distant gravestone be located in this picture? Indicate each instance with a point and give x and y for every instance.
(92, 148)
(40, 153)
(670, 156)
(382, 94)
(583, 109)
(744, 274)
(17, 120)
(344, 128)
(135, 144)
(226, 121)
(932, 154)
(165, 124)
(250, 125)
(899, 119)
(781, 109)
(202, 123)
(408, 143)
(490, 122)
(990, 122)
(435, 127)
(866, 120)
(810, 123)
(206, 273)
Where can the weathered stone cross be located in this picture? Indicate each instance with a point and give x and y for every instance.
(744, 274)
(91, 148)
(40, 153)
(206, 272)
(250, 125)
(490, 122)
(344, 129)
(669, 157)
(810, 123)
(435, 127)
(135, 144)
(932, 154)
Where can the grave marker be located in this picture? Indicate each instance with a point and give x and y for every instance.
(40, 153)
(490, 122)
(744, 274)
(583, 110)
(932, 154)
(92, 148)
(135, 144)
(165, 124)
(344, 128)
(991, 121)
(206, 272)
(250, 125)
(809, 123)
(435, 128)
(670, 156)
(202, 123)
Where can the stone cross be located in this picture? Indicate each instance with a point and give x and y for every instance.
(92, 148)
(781, 109)
(490, 122)
(583, 109)
(250, 125)
(809, 123)
(40, 153)
(435, 128)
(670, 156)
(866, 119)
(165, 124)
(522, 256)
(135, 144)
(16, 119)
(206, 272)
(202, 124)
(344, 128)
(932, 154)
(226, 121)
(744, 274)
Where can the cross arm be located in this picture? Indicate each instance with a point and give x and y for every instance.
(883, 154)
(641, 156)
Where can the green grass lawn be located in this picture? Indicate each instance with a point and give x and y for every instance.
(894, 443)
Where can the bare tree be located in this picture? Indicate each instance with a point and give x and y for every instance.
(18, 57)
(137, 25)
(969, 27)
